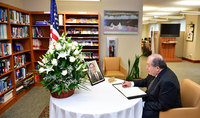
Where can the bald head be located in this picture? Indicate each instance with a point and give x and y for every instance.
(157, 60)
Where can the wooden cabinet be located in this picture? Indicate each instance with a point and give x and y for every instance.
(167, 49)
(15, 55)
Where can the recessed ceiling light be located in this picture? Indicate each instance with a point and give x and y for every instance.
(79, 0)
(188, 3)
(146, 8)
(158, 13)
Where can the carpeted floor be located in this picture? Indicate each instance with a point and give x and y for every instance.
(30, 105)
(45, 112)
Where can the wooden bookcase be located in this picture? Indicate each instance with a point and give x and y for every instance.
(86, 30)
(15, 47)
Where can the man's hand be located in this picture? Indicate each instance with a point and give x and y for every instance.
(126, 84)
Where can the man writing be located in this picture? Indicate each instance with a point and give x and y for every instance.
(163, 89)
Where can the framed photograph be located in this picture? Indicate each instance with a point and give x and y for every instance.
(121, 22)
(111, 47)
(190, 32)
(94, 73)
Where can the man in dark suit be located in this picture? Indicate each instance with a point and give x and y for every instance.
(163, 89)
(94, 74)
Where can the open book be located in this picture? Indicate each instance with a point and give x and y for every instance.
(130, 92)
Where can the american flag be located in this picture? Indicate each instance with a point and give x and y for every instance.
(54, 35)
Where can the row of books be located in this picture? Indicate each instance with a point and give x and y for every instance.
(5, 84)
(19, 17)
(88, 42)
(90, 55)
(25, 84)
(5, 49)
(82, 30)
(37, 32)
(19, 60)
(82, 20)
(37, 44)
(4, 66)
(3, 15)
(6, 96)
(19, 32)
(20, 74)
(3, 31)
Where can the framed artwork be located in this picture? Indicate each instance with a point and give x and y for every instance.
(94, 73)
(190, 32)
(111, 47)
(120, 22)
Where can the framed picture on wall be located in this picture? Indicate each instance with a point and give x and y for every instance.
(111, 46)
(190, 32)
(120, 22)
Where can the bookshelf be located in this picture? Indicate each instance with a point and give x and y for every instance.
(85, 29)
(24, 38)
(15, 54)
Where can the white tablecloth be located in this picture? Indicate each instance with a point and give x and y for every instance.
(101, 101)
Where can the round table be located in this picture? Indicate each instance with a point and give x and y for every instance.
(100, 101)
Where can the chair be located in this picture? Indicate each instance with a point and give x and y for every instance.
(190, 98)
(112, 67)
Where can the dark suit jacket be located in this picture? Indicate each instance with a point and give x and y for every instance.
(164, 93)
(93, 77)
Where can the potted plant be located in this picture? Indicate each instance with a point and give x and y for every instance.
(133, 73)
(63, 67)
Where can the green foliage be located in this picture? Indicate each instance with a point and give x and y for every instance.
(133, 73)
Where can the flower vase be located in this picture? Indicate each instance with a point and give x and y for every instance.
(63, 94)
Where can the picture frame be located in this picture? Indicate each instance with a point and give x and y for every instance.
(111, 46)
(94, 73)
(120, 22)
(190, 32)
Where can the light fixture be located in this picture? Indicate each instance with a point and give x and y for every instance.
(190, 12)
(172, 17)
(79, 0)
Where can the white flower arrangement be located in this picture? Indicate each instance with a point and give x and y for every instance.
(63, 66)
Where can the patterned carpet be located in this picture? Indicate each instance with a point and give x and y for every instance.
(45, 112)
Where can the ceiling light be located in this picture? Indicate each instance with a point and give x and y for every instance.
(79, 0)
(172, 9)
(190, 12)
(158, 13)
(173, 17)
(145, 8)
(189, 3)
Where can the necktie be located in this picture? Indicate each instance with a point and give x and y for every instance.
(97, 76)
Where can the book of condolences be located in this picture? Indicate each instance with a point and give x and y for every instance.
(130, 92)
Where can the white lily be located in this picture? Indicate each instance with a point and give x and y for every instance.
(44, 60)
(58, 46)
(41, 70)
(62, 55)
(49, 68)
(64, 72)
(54, 62)
(76, 52)
(75, 43)
(73, 47)
(40, 63)
(72, 59)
